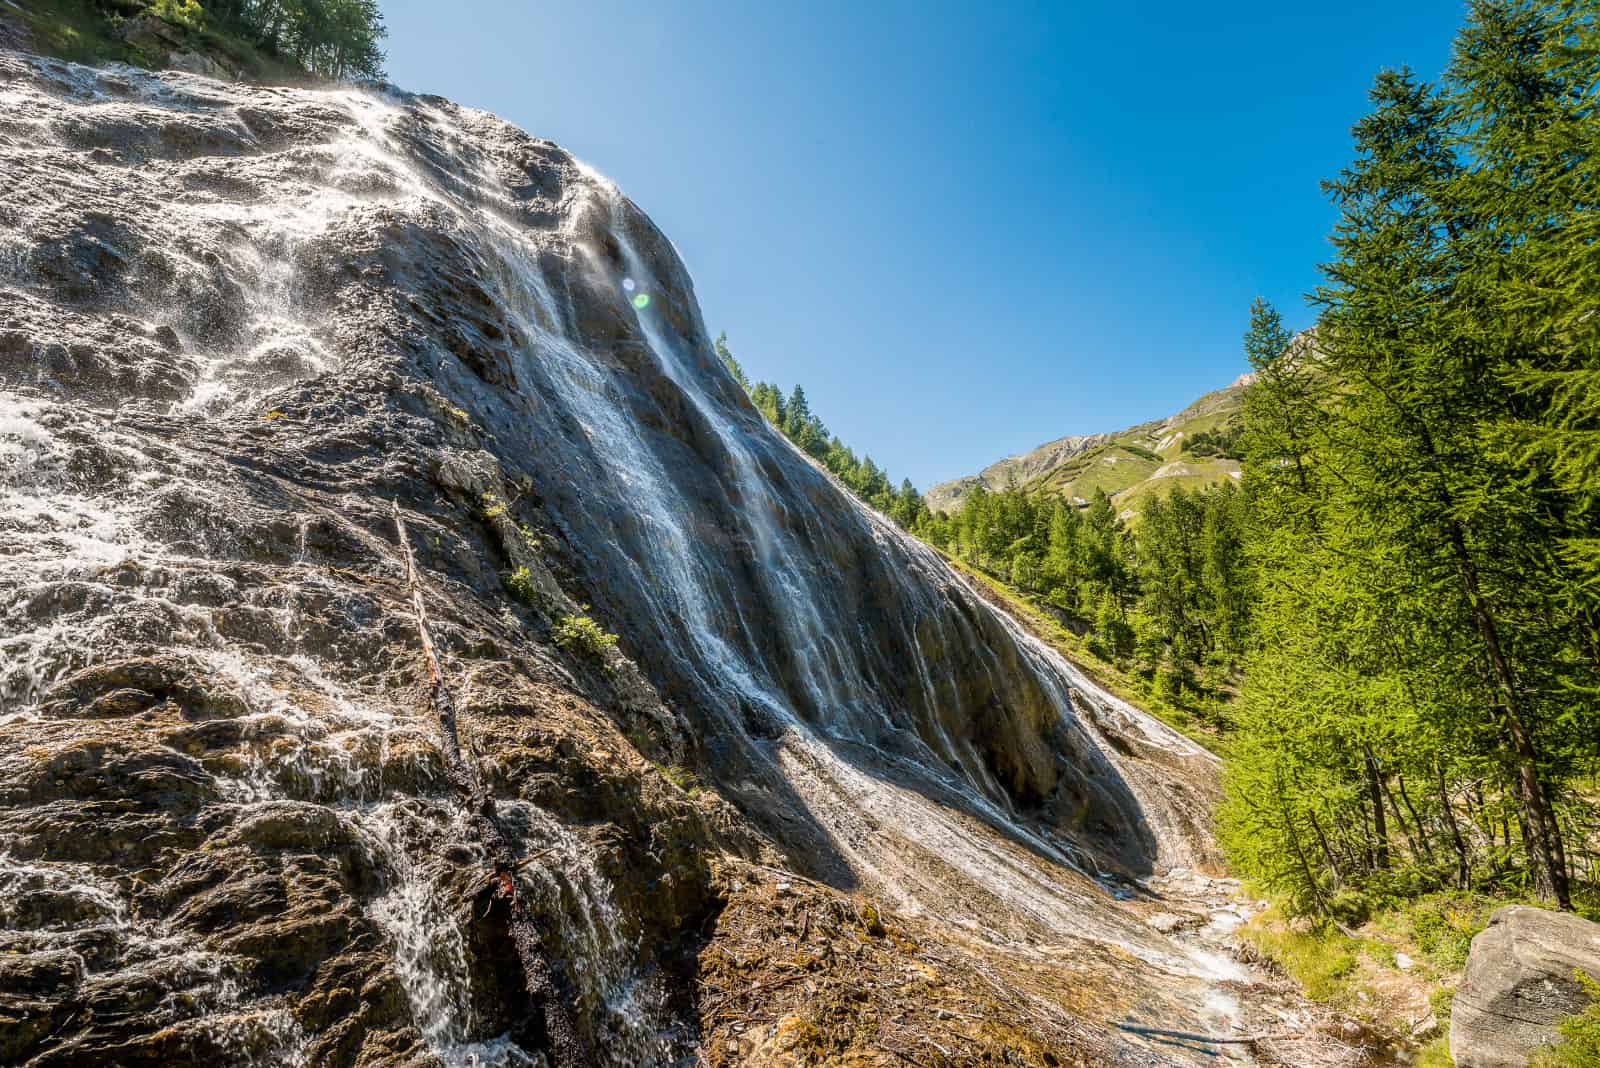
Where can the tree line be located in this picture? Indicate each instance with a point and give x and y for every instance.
(328, 38)
(1419, 708)
(793, 416)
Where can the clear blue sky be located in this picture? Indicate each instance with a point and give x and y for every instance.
(967, 229)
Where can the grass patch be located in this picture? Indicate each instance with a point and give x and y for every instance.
(1320, 959)
(76, 30)
(85, 31)
(1435, 1054)
(1442, 926)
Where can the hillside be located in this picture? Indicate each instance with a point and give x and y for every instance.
(241, 40)
(1132, 465)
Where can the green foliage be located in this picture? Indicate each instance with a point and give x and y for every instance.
(269, 39)
(78, 30)
(185, 13)
(1442, 926)
(519, 584)
(329, 38)
(725, 354)
(1419, 711)
(1435, 1054)
(1320, 959)
(581, 634)
(1145, 454)
(1223, 442)
(681, 777)
(1579, 1044)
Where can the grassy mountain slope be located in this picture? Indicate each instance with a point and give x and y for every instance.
(1132, 465)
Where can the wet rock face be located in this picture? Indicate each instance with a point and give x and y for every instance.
(236, 326)
(1520, 983)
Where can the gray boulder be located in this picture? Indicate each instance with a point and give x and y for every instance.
(1519, 984)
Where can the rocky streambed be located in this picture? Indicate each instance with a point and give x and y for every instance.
(819, 803)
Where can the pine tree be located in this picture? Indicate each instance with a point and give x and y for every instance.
(797, 413)
(725, 354)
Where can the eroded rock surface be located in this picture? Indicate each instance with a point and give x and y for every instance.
(236, 326)
(1520, 982)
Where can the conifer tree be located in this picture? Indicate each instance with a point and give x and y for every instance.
(726, 355)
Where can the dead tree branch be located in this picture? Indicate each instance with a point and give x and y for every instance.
(547, 1005)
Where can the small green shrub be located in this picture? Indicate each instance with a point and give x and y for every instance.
(1350, 906)
(681, 777)
(1441, 1001)
(185, 13)
(1443, 926)
(492, 507)
(1579, 1045)
(581, 634)
(519, 584)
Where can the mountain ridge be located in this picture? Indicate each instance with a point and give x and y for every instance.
(1131, 465)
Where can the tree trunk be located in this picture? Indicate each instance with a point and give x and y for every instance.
(1380, 826)
(1294, 840)
(1463, 867)
(1422, 831)
(1544, 835)
(1417, 852)
(1333, 864)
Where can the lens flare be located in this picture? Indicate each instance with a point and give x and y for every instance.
(628, 284)
(641, 301)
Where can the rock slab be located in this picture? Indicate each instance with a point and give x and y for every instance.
(1520, 982)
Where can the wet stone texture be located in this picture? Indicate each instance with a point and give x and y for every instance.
(239, 325)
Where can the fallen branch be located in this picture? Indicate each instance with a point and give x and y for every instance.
(1210, 1040)
(545, 1000)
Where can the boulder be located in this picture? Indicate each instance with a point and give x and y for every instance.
(1519, 984)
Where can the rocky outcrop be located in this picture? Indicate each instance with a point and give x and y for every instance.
(1019, 470)
(171, 46)
(1519, 984)
(238, 327)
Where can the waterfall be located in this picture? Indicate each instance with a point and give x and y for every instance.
(336, 262)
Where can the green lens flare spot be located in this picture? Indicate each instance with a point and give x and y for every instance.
(641, 301)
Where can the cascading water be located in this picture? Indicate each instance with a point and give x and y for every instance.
(234, 324)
